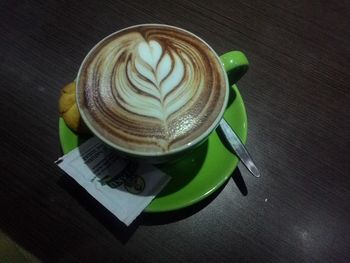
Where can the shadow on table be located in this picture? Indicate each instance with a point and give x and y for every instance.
(124, 233)
(106, 218)
(239, 181)
(177, 215)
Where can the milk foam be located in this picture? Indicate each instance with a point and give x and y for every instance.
(151, 89)
(157, 74)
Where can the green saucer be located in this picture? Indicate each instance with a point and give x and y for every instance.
(198, 173)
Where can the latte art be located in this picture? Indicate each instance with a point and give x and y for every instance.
(151, 89)
(157, 75)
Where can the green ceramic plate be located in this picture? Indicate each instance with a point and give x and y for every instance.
(197, 174)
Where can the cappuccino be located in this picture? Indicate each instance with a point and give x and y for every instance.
(152, 90)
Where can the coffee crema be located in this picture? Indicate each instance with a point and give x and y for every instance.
(151, 89)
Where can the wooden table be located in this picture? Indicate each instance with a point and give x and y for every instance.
(298, 104)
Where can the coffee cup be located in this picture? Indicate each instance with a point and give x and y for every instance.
(155, 91)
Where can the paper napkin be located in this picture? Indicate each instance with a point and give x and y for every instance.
(124, 186)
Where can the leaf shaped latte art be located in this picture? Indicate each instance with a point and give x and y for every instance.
(151, 89)
(159, 86)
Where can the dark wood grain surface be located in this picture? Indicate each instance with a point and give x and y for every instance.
(298, 104)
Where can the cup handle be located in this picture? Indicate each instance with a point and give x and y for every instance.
(236, 65)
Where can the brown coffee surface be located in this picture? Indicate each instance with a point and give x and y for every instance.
(151, 89)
